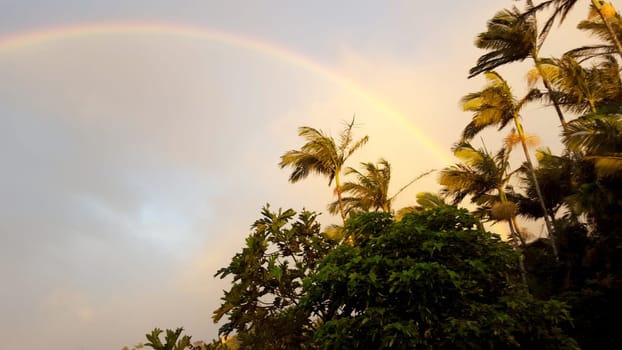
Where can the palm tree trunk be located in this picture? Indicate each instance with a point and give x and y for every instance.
(547, 85)
(338, 190)
(598, 5)
(513, 225)
(547, 220)
(521, 258)
(545, 80)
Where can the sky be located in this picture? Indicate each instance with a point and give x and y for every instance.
(140, 140)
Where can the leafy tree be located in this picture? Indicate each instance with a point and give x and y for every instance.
(172, 341)
(261, 305)
(323, 156)
(225, 343)
(430, 281)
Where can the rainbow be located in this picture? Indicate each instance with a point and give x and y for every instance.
(33, 38)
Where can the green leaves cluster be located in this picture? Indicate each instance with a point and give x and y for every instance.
(261, 306)
(429, 281)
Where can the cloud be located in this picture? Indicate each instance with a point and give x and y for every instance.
(134, 165)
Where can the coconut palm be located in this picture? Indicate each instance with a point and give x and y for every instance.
(596, 26)
(605, 11)
(599, 139)
(425, 201)
(582, 90)
(557, 179)
(428, 200)
(322, 155)
(495, 105)
(560, 9)
(484, 178)
(370, 190)
(511, 36)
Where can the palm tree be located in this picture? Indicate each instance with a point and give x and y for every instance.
(557, 179)
(484, 178)
(428, 200)
(425, 201)
(582, 90)
(605, 11)
(370, 191)
(323, 156)
(609, 17)
(512, 36)
(561, 8)
(599, 139)
(495, 105)
(595, 26)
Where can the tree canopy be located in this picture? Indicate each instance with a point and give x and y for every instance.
(432, 280)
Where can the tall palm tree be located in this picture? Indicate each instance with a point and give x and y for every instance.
(323, 156)
(495, 105)
(512, 36)
(484, 178)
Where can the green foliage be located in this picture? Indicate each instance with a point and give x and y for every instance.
(171, 341)
(261, 306)
(429, 281)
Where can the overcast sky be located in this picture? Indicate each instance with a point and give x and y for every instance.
(134, 162)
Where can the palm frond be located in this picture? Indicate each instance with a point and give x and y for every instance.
(607, 166)
(492, 106)
(595, 135)
(510, 37)
(596, 27)
(429, 200)
(561, 8)
(588, 52)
